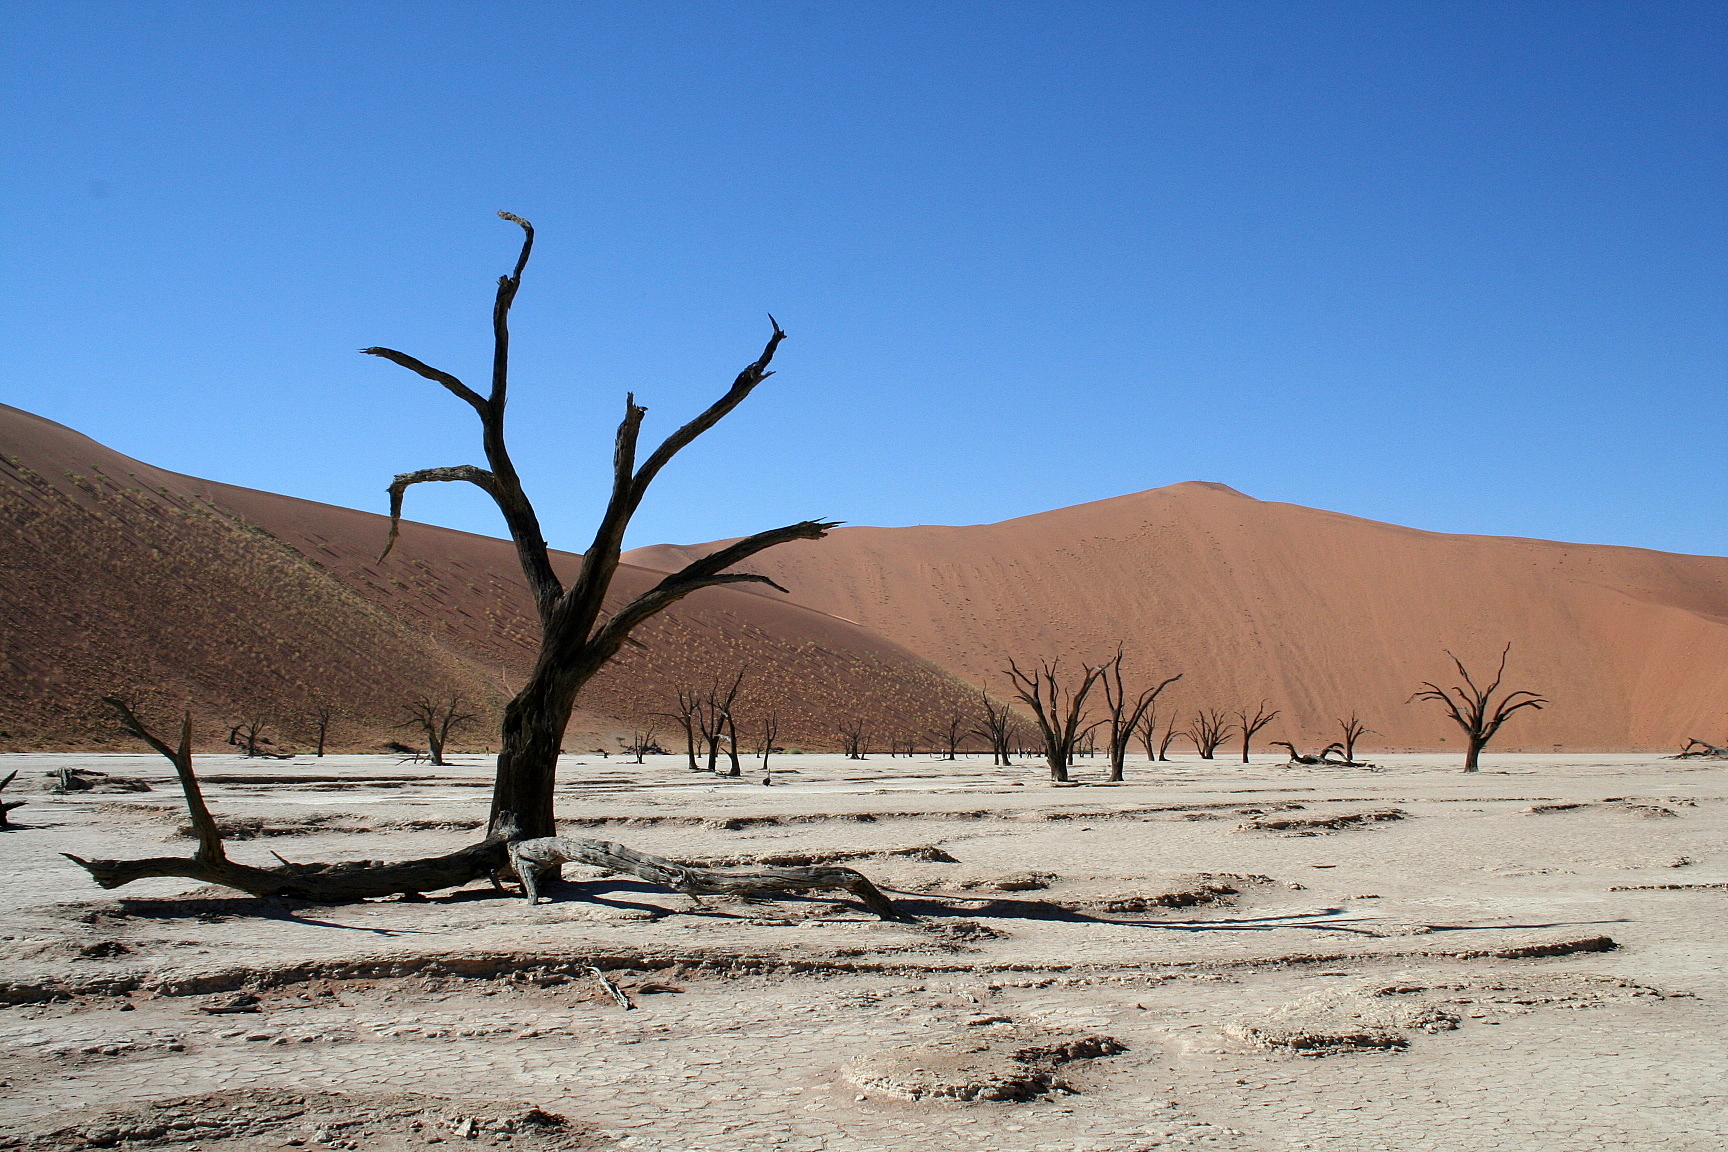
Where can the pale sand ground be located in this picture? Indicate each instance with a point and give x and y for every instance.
(751, 1054)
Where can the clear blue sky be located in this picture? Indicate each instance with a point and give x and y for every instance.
(1458, 266)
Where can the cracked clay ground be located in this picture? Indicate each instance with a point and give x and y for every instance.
(1524, 959)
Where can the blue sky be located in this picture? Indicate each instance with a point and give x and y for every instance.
(1458, 266)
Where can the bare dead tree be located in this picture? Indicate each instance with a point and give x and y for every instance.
(1125, 715)
(723, 723)
(689, 709)
(249, 735)
(641, 743)
(999, 729)
(950, 736)
(770, 732)
(1249, 725)
(1475, 710)
(1353, 730)
(575, 641)
(852, 740)
(1695, 749)
(323, 712)
(1171, 732)
(437, 719)
(1058, 709)
(1208, 729)
(577, 635)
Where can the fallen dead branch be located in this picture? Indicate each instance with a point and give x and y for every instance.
(533, 858)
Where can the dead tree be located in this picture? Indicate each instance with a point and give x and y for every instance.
(641, 743)
(689, 708)
(950, 736)
(578, 634)
(1695, 749)
(437, 719)
(1059, 710)
(1475, 710)
(1125, 715)
(1208, 730)
(852, 740)
(1248, 725)
(249, 735)
(999, 729)
(6, 806)
(770, 732)
(322, 713)
(1169, 738)
(724, 724)
(1353, 730)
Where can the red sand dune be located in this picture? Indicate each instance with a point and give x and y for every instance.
(120, 576)
(1316, 612)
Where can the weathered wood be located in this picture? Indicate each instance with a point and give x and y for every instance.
(612, 990)
(1704, 750)
(533, 858)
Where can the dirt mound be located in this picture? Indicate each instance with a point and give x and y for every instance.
(991, 1062)
(260, 1118)
(1315, 612)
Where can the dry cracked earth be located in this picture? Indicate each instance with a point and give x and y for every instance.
(1209, 955)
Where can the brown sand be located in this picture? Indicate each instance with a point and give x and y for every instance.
(121, 575)
(1315, 612)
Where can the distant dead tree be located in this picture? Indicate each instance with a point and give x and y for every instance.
(249, 735)
(770, 733)
(1474, 709)
(950, 736)
(1125, 714)
(1695, 749)
(852, 739)
(1000, 729)
(1248, 725)
(1208, 729)
(1169, 738)
(1353, 730)
(437, 719)
(641, 743)
(689, 708)
(1058, 709)
(323, 713)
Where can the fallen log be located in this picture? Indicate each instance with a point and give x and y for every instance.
(532, 858)
(1705, 751)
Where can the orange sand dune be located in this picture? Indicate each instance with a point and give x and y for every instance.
(118, 575)
(1316, 612)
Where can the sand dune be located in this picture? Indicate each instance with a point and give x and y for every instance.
(120, 575)
(1316, 612)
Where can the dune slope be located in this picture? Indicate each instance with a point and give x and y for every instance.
(1316, 612)
(121, 576)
